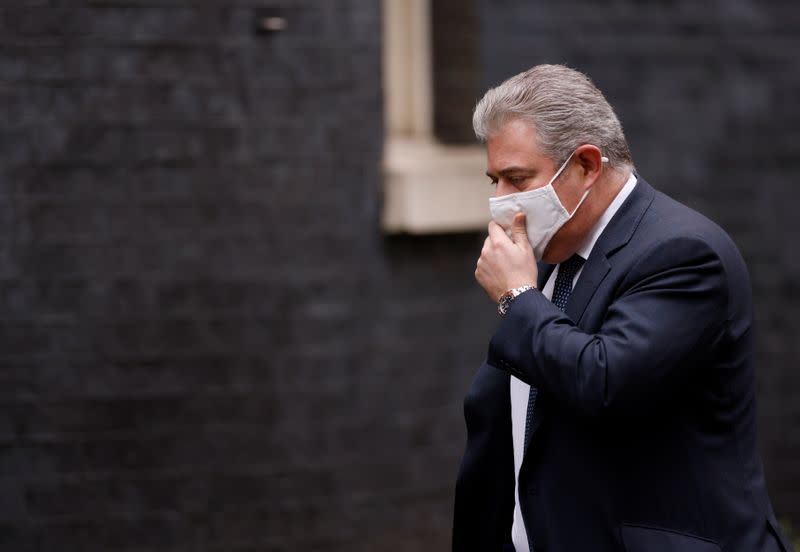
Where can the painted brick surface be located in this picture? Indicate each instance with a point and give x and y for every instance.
(456, 69)
(205, 343)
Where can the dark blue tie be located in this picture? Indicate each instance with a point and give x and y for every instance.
(561, 292)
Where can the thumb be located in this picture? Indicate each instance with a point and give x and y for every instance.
(519, 233)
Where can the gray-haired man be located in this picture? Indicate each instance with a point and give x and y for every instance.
(616, 408)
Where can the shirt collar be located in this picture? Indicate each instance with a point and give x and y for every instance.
(586, 249)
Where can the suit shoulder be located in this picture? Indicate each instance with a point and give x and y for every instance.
(673, 228)
(669, 220)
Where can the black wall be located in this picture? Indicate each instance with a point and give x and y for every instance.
(206, 343)
(457, 71)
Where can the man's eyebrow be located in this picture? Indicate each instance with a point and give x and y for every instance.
(512, 170)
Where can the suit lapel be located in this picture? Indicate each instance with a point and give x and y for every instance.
(618, 233)
(595, 269)
(545, 270)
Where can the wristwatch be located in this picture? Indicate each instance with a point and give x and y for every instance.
(508, 297)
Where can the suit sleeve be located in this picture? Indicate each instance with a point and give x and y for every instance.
(672, 307)
(483, 512)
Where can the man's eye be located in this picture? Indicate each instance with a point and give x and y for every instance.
(516, 180)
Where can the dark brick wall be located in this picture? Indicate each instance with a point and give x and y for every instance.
(707, 93)
(456, 69)
(205, 343)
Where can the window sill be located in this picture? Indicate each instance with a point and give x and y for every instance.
(431, 188)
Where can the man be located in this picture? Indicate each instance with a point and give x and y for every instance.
(616, 408)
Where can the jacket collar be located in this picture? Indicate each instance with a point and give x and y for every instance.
(617, 234)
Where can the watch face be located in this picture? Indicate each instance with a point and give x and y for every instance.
(505, 302)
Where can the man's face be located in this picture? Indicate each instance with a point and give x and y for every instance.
(516, 164)
(514, 161)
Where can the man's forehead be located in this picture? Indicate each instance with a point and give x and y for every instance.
(515, 144)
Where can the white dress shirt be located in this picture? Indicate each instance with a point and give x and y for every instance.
(521, 390)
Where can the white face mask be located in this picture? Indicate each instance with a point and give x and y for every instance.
(544, 212)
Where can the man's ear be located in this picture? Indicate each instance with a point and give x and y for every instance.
(590, 160)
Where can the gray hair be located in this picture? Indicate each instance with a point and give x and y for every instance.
(565, 108)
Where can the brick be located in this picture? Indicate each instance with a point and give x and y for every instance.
(206, 343)
(16, 536)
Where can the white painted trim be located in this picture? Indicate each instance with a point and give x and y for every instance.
(428, 187)
(432, 188)
(407, 79)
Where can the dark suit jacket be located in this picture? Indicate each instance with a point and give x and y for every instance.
(644, 438)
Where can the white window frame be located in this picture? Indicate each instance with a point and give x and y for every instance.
(428, 187)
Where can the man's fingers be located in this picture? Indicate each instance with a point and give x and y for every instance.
(519, 234)
(496, 233)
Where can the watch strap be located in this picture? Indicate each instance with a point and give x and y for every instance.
(504, 303)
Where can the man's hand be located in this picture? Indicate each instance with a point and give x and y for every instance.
(506, 263)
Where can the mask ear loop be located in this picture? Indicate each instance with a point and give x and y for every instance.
(560, 169)
(604, 159)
